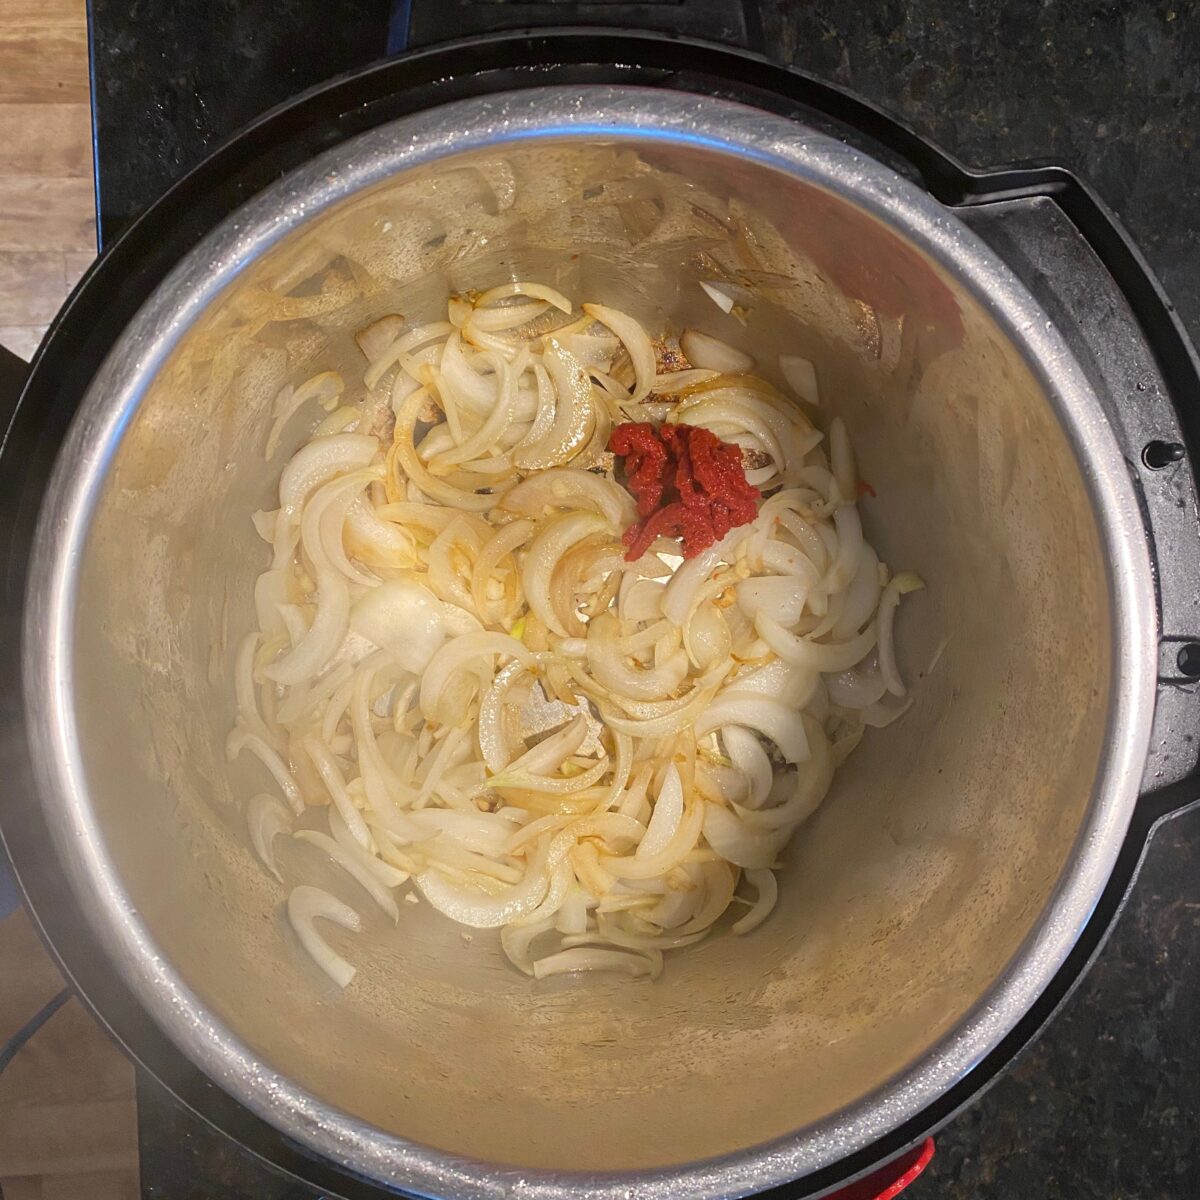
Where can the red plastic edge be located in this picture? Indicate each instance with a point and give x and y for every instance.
(885, 1184)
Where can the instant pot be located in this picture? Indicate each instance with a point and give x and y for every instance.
(1023, 401)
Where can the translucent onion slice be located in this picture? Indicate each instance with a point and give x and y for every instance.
(324, 636)
(353, 868)
(856, 688)
(404, 454)
(903, 583)
(816, 656)
(862, 596)
(404, 345)
(747, 755)
(636, 342)
(494, 741)
(722, 299)
(629, 866)
(403, 617)
(319, 461)
(516, 941)
(525, 287)
(801, 377)
(545, 553)
(304, 906)
(574, 414)
(379, 335)
(710, 353)
(778, 597)
(265, 819)
(664, 821)
(739, 844)
(493, 552)
(765, 884)
(479, 910)
(335, 782)
(779, 722)
(457, 653)
(388, 875)
(571, 488)
(841, 460)
(607, 662)
(580, 958)
(241, 739)
(325, 388)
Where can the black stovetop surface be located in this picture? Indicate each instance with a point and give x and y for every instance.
(1106, 1105)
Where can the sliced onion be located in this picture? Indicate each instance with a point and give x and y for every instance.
(710, 353)
(387, 875)
(335, 783)
(815, 656)
(537, 291)
(406, 619)
(636, 343)
(740, 845)
(841, 460)
(856, 688)
(720, 298)
(304, 906)
(325, 388)
(694, 572)
(779, 597)
(404, 454)
(574, 414)
(545, 553)
(667, 815)
(747, 755)
(470, 906)
(353, 868)
(905, 582)
(319, 461)
(375, 338)
(324, 636)
(404, 345)
(801, 377)
(498, 420)
(686, 836)
(862, 596)
(580, 958)
(571, 487)
(516, 941)
(456, 654)
(240, 739)
(266, 818)
(765, 884)
(779, 722)
(607, 663)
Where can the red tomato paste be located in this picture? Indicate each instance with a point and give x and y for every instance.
(688, 484)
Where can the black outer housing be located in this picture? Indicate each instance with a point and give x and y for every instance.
(35, 422)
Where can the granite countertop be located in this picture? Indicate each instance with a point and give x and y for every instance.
(1106, 1104)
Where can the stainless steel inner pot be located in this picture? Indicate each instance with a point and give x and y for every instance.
(926, 904)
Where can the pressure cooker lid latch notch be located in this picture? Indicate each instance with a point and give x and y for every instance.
(1157, 455)
(1179, 660)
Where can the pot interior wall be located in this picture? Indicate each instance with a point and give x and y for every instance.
(904, 897)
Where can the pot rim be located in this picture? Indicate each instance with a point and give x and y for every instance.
(536, 115)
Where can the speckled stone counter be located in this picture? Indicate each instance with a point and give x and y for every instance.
(1106, 1105)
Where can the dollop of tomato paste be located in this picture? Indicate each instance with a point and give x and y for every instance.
(688, 484)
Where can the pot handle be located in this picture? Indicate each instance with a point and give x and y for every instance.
(13, 373)
(889, 1181)
(1073, 253)
(417, 23)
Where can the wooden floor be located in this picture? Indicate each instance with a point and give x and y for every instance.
(67, 1123)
